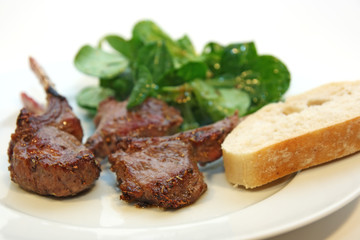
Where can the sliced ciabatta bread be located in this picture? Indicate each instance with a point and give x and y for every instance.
(306, 130)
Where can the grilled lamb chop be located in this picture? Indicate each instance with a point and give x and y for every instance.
(163, 171)
(206, 141)
(158, 173)
(45, 152)
(152, 118)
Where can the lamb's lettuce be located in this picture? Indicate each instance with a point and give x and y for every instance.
(206, 87)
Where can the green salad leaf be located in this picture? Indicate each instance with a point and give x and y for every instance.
(122, 84)
(90, 97)
(206, 87)
(145, 32)
(143, 87)
(119, 44)
(98, 63)
(157, 58)
(220, 103)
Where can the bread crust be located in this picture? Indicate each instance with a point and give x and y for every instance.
(294, 154)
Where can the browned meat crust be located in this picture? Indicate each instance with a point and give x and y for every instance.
(158, 173)
(206, 141)
(152, 118)
(45, 152)
(53, 162)
(58, 114)
(163, 171)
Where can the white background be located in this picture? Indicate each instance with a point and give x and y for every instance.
(318, 40)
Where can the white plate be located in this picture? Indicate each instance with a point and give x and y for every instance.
(224, 212)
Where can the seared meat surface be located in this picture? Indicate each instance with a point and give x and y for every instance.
(113, 120)
(163, 171)
(45, 152)
(206, 141)
(159, 173)
(53, 162)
